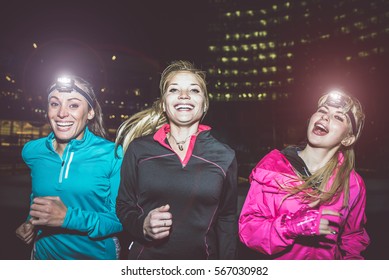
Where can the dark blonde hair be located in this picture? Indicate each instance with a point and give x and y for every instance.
(150, 120)
(341, 169)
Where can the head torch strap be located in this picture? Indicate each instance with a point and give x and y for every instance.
(353, 122)
(69, 89)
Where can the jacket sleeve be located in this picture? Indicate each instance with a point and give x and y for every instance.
(227, 229)
(260, 227)
(99, 224)
(354, 238)
(130, 214)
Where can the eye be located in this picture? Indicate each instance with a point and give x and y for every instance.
(173, 90)
(195, 90)
(74, 106)
(339, 118)
(53, 104)
(321, 110)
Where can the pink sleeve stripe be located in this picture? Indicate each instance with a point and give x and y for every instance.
(211, 163)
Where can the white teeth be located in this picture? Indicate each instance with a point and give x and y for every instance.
(184, 107)
(322, 127)
(64, 123)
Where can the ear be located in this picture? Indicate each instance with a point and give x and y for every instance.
(91, 114)
(348, 140)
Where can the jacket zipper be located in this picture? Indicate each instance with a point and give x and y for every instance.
(64, 160)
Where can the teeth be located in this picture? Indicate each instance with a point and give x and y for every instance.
(184, 107)
(322, 127)
(64, 123)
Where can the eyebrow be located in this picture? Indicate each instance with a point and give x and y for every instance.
(340, 112)
(69, 99)
(175, 84)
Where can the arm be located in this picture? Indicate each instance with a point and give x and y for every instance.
(128, 211)
(226, 227)
(354, 238)
(99, 224)
(260, 227)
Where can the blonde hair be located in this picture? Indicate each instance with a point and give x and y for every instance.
(342, 171)
(150, 120)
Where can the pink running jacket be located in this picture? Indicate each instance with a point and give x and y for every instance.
(260, 226)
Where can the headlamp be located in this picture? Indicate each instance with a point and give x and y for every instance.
(67, 84)
(339, 100)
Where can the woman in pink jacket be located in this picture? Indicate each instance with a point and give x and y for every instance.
(307, 202)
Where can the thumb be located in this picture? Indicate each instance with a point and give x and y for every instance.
(164, 208)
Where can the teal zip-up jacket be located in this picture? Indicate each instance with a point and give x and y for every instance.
(86, 179)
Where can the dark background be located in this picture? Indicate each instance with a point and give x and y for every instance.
(168, 30)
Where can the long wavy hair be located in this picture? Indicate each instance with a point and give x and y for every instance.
(150, 120)
(314, 186)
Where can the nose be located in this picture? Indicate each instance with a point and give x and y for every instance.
(325, 117)
(62, 112)
(184, 95)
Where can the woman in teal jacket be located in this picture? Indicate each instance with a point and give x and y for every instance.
(75, 179)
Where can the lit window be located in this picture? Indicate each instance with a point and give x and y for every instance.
(273, 56)
(245, 47)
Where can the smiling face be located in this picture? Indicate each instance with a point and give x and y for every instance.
(68, 114)
(329, 128)
(184, 99)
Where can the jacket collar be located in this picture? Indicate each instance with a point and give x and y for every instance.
(74, 143)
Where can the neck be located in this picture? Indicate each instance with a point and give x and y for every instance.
(180, 135)
(59, 147)
(316, 158)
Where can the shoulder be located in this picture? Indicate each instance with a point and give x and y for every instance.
(273, 167)
(357, 184)
(210, 142)
(275, 161)
(33, 146)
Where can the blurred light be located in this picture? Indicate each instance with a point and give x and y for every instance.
(8, 78)
(114, 57)
(35, 45)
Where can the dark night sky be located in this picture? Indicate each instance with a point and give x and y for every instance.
(163, 30)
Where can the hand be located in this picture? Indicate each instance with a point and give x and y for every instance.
(308, 221)
(324, 225)
(48, 211)
(25, 232)
(158, 223)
